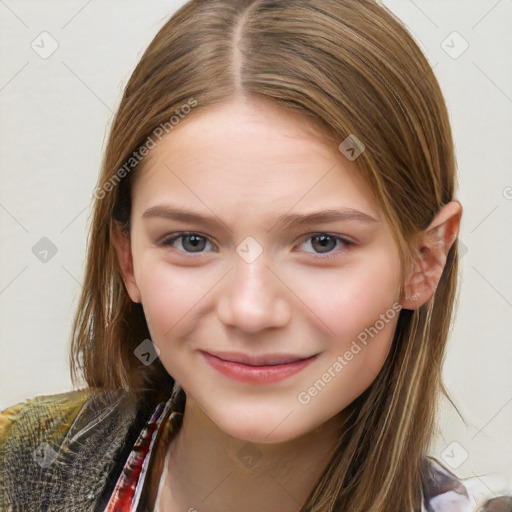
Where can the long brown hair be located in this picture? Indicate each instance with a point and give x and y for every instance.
(351, 66)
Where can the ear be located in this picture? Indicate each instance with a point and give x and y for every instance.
(430, 253)
(122, 245)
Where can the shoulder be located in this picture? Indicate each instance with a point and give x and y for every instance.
(443, 491)
(51, 418)
(40, 412)
(60, 449)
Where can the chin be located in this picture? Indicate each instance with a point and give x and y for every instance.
(256, 419)
(261, 428)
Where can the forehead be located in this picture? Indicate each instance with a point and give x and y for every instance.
(251, 151)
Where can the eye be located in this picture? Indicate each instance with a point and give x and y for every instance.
(189, 242)
(325, 243)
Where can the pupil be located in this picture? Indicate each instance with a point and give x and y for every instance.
(324, 241)
(196, 241)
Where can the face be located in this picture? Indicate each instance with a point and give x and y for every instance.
(272, 315)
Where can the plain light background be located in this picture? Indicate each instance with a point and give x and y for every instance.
(55, 113)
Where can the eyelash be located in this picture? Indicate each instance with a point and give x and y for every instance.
(167, 242)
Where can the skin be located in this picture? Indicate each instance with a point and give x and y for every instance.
(245, 162)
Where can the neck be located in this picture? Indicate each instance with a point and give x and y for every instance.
(209, 470)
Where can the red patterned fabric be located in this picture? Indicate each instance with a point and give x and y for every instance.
(127, 492)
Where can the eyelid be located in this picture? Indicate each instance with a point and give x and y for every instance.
(347, 240)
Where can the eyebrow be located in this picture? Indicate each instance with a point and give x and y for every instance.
(285, 221)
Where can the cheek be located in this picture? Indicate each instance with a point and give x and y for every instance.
(169, 296)
(346, 301)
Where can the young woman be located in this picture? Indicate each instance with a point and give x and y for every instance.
(271, 272)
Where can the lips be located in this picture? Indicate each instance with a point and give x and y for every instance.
(257, 369)
(258, 360)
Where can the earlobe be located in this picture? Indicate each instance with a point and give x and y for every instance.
(122, 245)
(430, 255)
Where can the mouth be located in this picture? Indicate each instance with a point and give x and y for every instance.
(260, 369)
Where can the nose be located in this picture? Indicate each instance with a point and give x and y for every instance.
(253, 297)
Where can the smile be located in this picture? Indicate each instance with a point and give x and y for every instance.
(257, 369)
